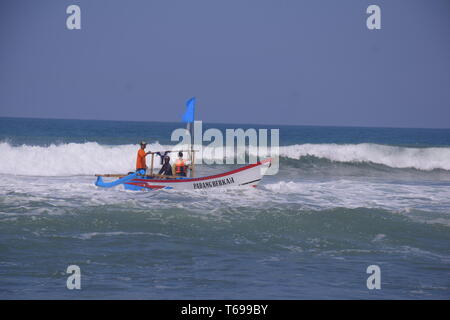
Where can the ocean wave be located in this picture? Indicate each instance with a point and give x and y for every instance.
(68, 159)
(390, 156)
(362, 194)
(91, 158)
(90, 235)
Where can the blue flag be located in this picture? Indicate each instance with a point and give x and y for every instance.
(190, 110)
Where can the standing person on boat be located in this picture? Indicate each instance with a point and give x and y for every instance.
(180, 167)
(141, 165)
(166, 169)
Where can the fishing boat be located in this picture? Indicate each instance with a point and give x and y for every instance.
(249, 175)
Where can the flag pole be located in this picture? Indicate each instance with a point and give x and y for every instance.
(188, 117)
(192, 151)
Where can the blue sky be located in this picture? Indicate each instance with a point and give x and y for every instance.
(253, 61)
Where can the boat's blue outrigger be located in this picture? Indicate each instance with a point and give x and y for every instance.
(132, 181)
(101, 183)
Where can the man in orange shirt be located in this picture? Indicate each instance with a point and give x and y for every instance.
(141, 165)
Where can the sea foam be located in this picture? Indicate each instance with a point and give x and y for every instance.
(92, 158)
(391, 156)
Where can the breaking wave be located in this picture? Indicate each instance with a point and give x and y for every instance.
(391, 156)
(91, 158)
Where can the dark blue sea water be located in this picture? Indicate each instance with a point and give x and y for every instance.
(343, 199)
(17, 131)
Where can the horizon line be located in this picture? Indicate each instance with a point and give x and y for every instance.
(242, 123)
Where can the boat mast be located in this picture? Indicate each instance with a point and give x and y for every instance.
(189, 127)
(189, 117)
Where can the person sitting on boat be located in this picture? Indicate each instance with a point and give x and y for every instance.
(162, 154)
(180, 167)
(141, 165)
(166, 169)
